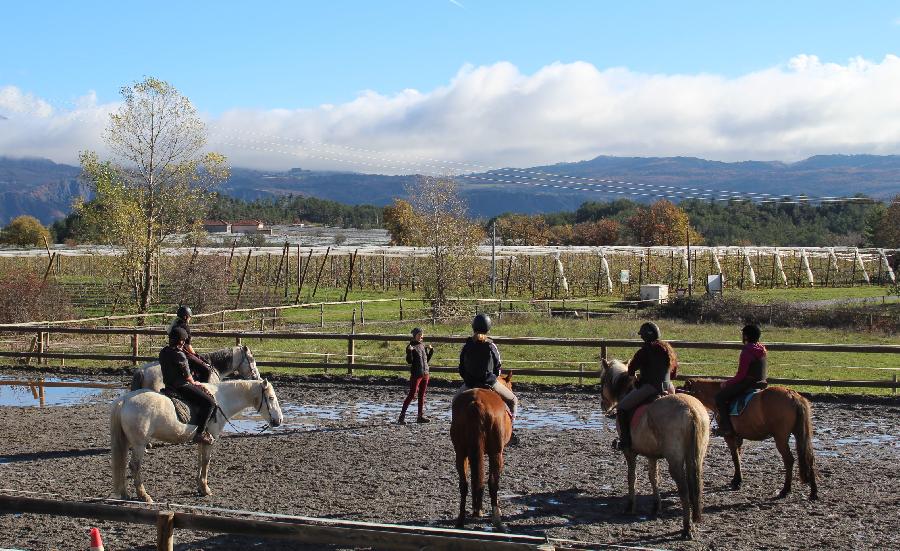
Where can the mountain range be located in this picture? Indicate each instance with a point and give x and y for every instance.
(45, 189)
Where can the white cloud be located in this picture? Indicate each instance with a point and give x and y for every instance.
(496, 115)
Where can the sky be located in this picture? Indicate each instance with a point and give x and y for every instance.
(393, 86)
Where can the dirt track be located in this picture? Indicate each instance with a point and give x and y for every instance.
(563, 480)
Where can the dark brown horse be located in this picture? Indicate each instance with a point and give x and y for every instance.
(481, 425)
(775, 412)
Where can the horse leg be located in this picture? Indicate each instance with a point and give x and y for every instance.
(204, 454)
(631, 503)
(462, 463)
(679, 473)
(496, 466)
(137, 455)
(653, 473)
(734, 444)
(781, 442)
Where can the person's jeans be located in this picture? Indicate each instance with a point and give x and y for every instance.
(416, 384)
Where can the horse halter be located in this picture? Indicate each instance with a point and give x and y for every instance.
(264, 400)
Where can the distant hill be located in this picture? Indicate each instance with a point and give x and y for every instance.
(45, 189)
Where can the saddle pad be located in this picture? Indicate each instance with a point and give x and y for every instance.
(737, 406)
(185, 413)
(636, 416)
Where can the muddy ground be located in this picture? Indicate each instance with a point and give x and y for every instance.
(342, 456)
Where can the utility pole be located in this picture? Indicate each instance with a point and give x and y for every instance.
(494, 257)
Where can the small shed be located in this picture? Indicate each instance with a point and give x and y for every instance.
(247, 226)
(216, 226)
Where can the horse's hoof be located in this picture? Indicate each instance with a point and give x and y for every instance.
(782, 494)
(460, 523)
(814, 496)
(687, 535)
(500, 527)
(204, 492)
(147, 499)
(477, 514)
(735, 485)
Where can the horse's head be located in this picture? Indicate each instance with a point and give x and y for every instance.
(246, 364)
(269, 406)
(704, 390)
(614, 381)
(506, 379)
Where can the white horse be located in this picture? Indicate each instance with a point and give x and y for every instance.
(225, 363)
(144, 414)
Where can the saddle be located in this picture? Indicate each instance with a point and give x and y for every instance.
(185, 411)
(641, 409)
(741, 402)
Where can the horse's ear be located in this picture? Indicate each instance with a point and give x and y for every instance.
(508, 376)
(604, 363)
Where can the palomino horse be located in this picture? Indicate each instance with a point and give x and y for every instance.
(774, 412)
(674, 427)
(225, 362)
(144, 414)
(481, 425)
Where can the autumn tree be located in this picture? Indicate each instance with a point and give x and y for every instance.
(404, 225)
(521, 229)
(450, 236)
(158, 182)
(663, 223)
(25, 231)
(601, 232)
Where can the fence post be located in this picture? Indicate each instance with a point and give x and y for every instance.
(602, 352)
(362, 312)
(581, 374)
(274, 318)
(894, 388)
(237, 341)
(134, 348)
(40, 347)
(321, 315)
(351, 345)
(327, 355)
(223, 320)
(165, 531)
(401, 309)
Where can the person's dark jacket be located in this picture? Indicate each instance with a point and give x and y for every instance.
(479, 363)
(418, 356)
(752, 367)
(175, 367)
(655, 361)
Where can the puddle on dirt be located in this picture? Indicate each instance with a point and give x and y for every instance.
(25, 395)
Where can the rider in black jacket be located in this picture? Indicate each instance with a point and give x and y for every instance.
(177, 378)
(200, 367)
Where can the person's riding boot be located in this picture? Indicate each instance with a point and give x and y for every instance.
(724, 428)
(402, 419)
(623, 418)
(203, 437)
(422, 419)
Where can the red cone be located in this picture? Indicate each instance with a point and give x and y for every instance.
(96, 540)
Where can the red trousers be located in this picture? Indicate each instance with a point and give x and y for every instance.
(419, 384)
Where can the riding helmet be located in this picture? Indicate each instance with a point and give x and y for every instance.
(649, 331)
(481, 323)
(416, 331)
(751, 332)
(177, 335)
(184, 312)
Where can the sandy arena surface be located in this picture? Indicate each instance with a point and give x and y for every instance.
(341, 455)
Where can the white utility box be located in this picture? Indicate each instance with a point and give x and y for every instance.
(656, 293)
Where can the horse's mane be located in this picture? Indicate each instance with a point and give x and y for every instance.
(221, 358)
(616, 376)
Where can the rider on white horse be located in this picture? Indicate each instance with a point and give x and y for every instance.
(199, 365)
(177, 378)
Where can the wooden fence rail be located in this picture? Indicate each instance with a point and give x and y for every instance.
(299, 529)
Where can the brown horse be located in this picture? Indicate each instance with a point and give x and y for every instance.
(674, 427)
(775, 412)
(481, 425)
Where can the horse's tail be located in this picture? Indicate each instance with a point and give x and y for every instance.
(695, 450)
(137, 380)
(476, 451)
(803, 431)
(119, 446)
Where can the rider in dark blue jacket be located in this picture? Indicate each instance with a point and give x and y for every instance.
(177, 378)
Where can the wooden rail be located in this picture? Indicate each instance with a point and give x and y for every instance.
(602, 345)
(299, 529)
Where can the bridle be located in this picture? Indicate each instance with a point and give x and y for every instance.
(264, 401)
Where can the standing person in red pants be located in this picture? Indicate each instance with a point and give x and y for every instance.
(417, 356)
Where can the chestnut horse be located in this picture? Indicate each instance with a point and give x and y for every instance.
(775, 412)
(481, 425)
(674, 427)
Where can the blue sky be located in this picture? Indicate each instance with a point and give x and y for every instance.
(302, 54)
(466, 83)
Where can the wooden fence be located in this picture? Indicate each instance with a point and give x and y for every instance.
(350, 359)
(310, 531)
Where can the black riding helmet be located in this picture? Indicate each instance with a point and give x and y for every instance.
(751, 332)
(177, 335)
(481, 323)
(650, 332)
(184, 312)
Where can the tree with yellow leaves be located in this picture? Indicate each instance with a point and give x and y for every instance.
(663, 223)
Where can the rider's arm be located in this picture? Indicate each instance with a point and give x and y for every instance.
(743, 368)
(409, 354)
(462, 355)
(495, 353)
